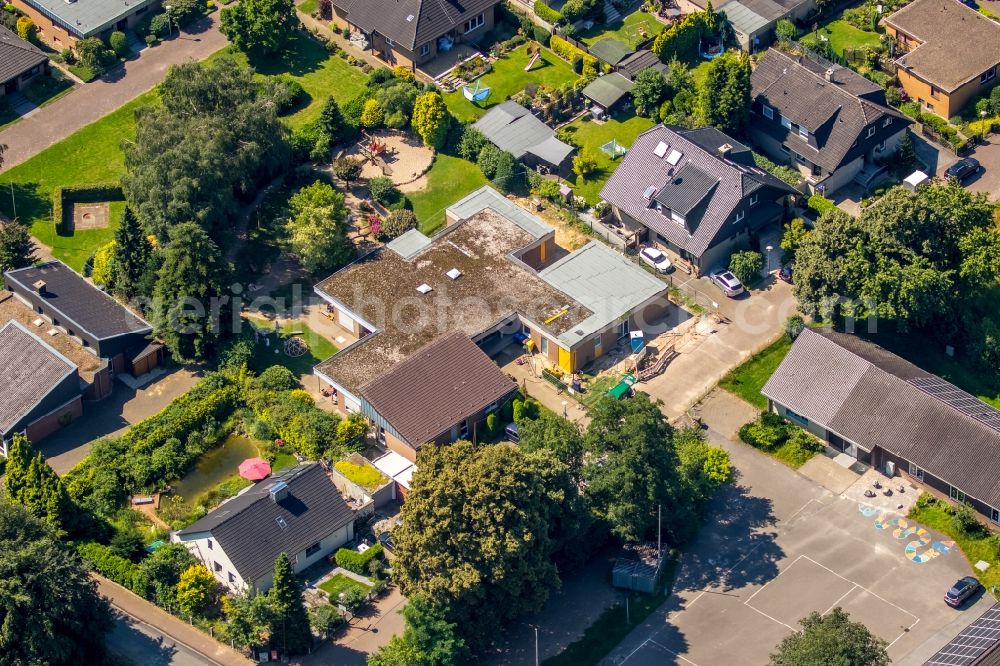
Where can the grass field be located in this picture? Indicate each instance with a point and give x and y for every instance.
(450, 179)
(842, 35)
(937, 516)
(508, 78)
(629, 31)
(748, 379)
(320, 348)
(339, 584)
(308, 6)
(91, 155)
(587, 133)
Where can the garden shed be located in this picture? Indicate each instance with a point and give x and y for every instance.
(608, 91)
(638, 567)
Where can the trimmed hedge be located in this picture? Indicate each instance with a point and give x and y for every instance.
(116, 568)
(681, 39)
(568, 52)
(99, 192)
(357, 562)
(820, 204)
(546, 13)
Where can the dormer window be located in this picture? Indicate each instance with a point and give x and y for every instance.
(886, 122)
(753, 199)
(739, 216)
(871, 132)
(803, 132)
(785, 122)
(678, 218)
(768, 112)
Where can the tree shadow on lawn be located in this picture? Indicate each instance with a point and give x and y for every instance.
(736, 547)
(302, 55)
(28, 201)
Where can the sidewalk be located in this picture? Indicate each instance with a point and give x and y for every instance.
(54, 122)
(176, 630)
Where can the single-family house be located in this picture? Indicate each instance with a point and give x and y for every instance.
(20, 62)
(753, 21)
(41, 387)
(829, 122)
(299, 512)
(946, 53)
(62, 23)
(413, 32)
(696, 192)
(428, 312)
(511, 127)
(883, 410)
(99, 323)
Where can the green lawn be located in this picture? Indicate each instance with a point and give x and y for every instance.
(308, 6)
(842, 35)
(264, 356)
(791, 455)
(598, 389)
(937, 516)
(626, 31)
(320, 74)
(508, 78)
(587, 133)
(282, 461)
(339, 584)
(747, 380)
(91, 155)
(450, 179)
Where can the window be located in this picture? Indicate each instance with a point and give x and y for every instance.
(544, 347)
(785, 149)
(935, 93)
(803, 132)
(988, 75)
(739, 216)
(677, 217)
(389, 42)
(141, 11)
(232, 578)
(598, 346)
(312, 550)
(994, 515)
(871, 133)
(623, 329)
(753, 199)
(785, 122)
(475, 23)
(768, 112)
(463, 427)
(800, 159)
(886, 122)
(916, 472)
(957, 494)
(798, 418)
(425, 49)
(210, 546)
(492, 407)
(216, 566)
(930, 107)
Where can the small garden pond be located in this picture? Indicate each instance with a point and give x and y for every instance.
(215, 466)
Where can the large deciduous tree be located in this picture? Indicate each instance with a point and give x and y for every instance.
(187, 312)
(647, 91)
(429, 639)
(831, 640)
(725, 94)
(554, 433)
(260, 25)
(17, 249)
(317, 228)
(481, 528)
(50, 612)
(290, 621)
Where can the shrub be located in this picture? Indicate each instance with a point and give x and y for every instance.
(325, 9)
(372, 115)
(793, 326)
(746, 266)
(585, 163)
(546, 13)
(541, 35)
(964, 521)
(284, 91)
(26, 29)
(492, 424)
(96, 193)
(118, 43)
(767, 433)
(383, 190)
(471, 143)
(397, 223)
(365, 476)
(820, 204)
(126, 573)
(159, 25)
(568, 52)
(785, 173)
(357, 562)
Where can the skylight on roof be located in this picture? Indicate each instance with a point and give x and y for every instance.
(674, 157)
(281, 522)
(409, 19)
(454, 274)
(661, 149)
(425, 288)
(650, 191)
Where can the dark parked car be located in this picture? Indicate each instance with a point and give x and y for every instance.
(963, 168)
(786, 273)
(512, 433)
(961, 591)
(386, 540)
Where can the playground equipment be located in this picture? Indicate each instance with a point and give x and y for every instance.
(295, 347)
(713, 50)
(477, 94)
(534, 59)
(613, 149)
(373, 150)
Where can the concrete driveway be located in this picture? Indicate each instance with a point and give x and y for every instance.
(776, 547)
(987, 180)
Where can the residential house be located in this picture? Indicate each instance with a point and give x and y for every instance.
(413, 32)
(886, 412)
(830, 123)
(62, 23)
(41, 387)
(102, 325)
(299, 512)
(947, 53)
(20, 62)
(695, 191)
(428, 312)
(511, 127)
(754, 21)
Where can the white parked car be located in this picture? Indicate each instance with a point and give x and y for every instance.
(727, 282)
(656, 259)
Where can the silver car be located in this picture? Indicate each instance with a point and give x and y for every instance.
(727, 282)
(656, 259)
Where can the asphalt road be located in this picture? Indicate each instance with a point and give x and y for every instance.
(144, 645)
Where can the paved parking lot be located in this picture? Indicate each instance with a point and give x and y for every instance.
(780, 547)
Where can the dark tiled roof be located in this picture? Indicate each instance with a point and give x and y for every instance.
(639, 61)
(247, 527)
(511, 127)
(16, 55)
(959, 43)
(411, 23)
(29, 370)
(686, 189)
(641, 169)
(445, 382)
(837, 114)
(871, 397)
(79, 302)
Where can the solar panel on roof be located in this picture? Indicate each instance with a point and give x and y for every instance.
(959, 400)
(972, 642)
(660, 150)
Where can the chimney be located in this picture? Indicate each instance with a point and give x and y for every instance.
(829, 75)
(724, 150)
(278, 491)
(39, 287)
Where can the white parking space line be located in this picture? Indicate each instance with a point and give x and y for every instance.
(899, 608)
(842, 597)
(650, 641)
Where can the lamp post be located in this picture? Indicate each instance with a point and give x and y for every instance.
(769, 249)
(170, 23)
